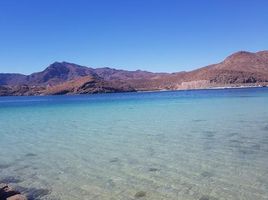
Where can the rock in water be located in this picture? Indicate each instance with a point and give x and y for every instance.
(17, 197)
(7, 193)
(140, 194)
(153, 169)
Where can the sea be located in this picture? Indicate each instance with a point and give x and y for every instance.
(172, 145)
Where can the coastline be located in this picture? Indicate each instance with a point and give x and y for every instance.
(208, 88)
(156, 90)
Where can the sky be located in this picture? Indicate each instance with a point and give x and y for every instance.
(153, 35)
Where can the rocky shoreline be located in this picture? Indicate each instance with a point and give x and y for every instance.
(12, 92)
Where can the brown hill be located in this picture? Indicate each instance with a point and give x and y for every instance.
(87, 85)
(241, 68)
(238, 68)
(58, 73)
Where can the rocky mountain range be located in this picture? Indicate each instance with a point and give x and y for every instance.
(239, 69)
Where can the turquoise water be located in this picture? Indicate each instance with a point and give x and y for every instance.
(183, 145)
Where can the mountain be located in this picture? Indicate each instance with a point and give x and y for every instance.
(239, 69)
(58, 73)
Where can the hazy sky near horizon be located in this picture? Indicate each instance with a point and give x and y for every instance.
(154, 35)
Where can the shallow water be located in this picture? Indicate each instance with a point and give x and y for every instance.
(185, 145)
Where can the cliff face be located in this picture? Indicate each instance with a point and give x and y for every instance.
(241, 68)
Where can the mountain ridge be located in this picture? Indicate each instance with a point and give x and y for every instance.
(241, 68)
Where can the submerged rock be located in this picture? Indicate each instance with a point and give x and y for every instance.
(140, 194)
(114, 160)
(34, 193)
(17, 197)
(8, 193)
(30, 155)
(199, 120)
(153, 169)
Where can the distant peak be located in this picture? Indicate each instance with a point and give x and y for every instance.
(67, 63)
(239, 55)
(63, 63)
(55, 63)
(61, 66)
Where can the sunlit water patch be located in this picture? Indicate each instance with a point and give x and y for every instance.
(185, 145)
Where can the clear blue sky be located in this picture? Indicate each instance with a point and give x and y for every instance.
(154, 35)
